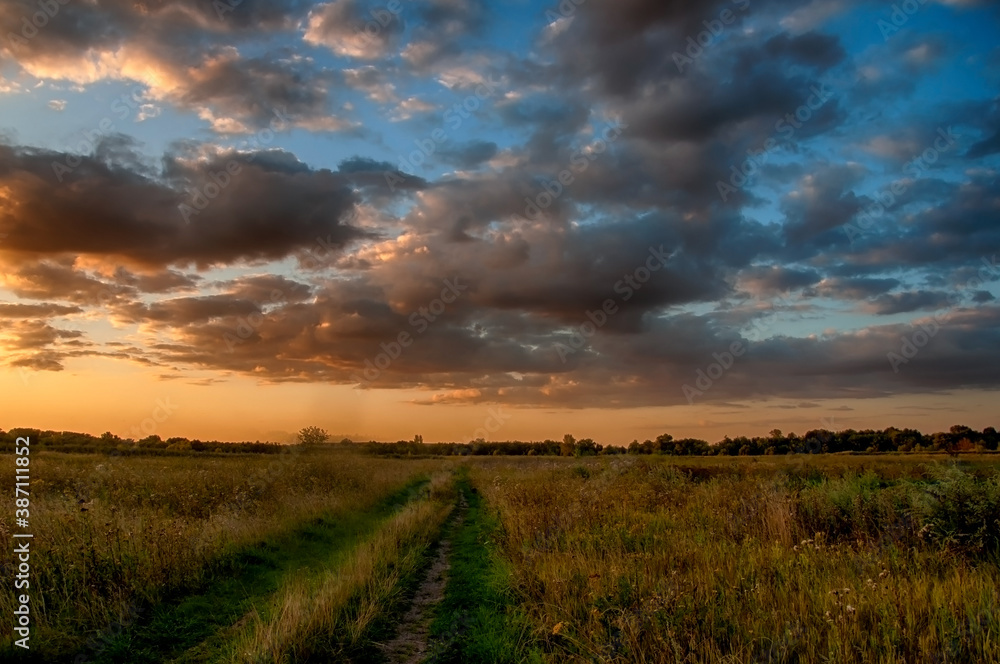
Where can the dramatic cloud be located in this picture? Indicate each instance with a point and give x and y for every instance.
(546, 205)
(214, 211)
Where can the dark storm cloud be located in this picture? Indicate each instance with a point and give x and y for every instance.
(776, 278)
(823, 200)
(60, 279)
(379, 178)
(77, 26)
(469, 155)
(553, 123)
(266, 210)
(358, 164)
(852, 288)
(635, 39)
(453, 18)
(181, 311)
(34, 344)
(990, 119)
(443, 29)
(267, 288)
(985, 147)
(36, 310)
(46, 279)
(959, 230)
(165, 281)
(74, 29)
(898, 303)
(812, 49)
(261, 91)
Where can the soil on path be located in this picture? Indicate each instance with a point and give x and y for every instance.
(412, 640)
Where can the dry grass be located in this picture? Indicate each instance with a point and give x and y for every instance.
(646, 560)
(620, 559)
(325, 617)
(110, 531)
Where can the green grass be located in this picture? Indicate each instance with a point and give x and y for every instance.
(478, 620)
(194, 627)
(334, 617)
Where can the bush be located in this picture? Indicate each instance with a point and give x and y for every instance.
(962, 511)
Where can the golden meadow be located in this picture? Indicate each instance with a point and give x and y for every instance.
(801, 558)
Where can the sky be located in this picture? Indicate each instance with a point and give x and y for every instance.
(508, 219)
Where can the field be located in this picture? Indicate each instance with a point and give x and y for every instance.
(315, 555)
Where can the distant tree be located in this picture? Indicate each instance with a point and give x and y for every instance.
(964, 445)
(313, 436)
(990, 438)
(690, 446)
(664, 444)
(418, 439)
(568, 445)
(183, 446)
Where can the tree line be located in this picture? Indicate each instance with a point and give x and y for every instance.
(957, 439)
(71, 441)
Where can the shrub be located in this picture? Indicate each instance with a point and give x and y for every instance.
(961, 511)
